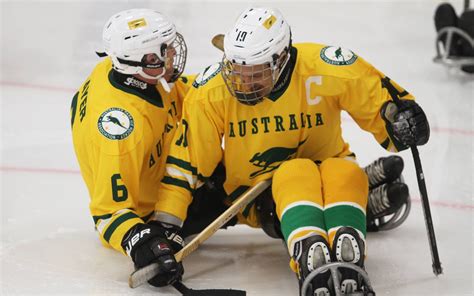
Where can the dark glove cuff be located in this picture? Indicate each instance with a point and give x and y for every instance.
(413, 127)
(135, 237)
(388, 112)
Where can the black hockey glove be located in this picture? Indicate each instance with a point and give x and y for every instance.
(407, 125)
(155, 242)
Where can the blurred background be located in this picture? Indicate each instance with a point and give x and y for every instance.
(48, 245)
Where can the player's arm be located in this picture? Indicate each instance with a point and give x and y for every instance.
(114, 194)
(369, 103)
(194, 154)
(122, 228)
(110, 169)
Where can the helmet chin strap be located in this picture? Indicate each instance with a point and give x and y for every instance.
(159, 77)
(165, 84)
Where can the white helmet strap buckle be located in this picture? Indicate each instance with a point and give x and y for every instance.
(158, 77)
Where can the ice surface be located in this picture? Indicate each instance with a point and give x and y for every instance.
(48, 244)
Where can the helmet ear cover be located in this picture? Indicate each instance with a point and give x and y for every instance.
(163, 48)
(280, 60)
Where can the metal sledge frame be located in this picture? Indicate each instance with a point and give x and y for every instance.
(442, 53)
(333, 268)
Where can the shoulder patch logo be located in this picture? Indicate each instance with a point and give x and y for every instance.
(338, 56)
(207, 75)
(115, 124)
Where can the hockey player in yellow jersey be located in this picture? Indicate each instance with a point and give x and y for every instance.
(123, 119)
(272, 110)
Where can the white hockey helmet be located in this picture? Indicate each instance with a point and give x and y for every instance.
(260, 36)
(131, 34)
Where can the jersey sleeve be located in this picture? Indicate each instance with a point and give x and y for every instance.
(194, 154)
(363, 100)
(114, 195)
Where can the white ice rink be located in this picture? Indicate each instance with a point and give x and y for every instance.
(48, 244)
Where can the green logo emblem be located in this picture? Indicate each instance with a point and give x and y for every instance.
(271, 159)
(115, 124)
(338, 56)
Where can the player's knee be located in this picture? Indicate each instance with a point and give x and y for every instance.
(296, 171)
(341, 177)
(296, 180)
(298, 166)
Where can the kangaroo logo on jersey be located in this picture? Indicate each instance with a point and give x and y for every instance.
(115, 124)
(271, 159)
(336, 55)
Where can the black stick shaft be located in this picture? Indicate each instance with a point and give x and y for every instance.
(437, 269)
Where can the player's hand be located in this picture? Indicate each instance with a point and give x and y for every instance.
(407, 122)
(155, 243)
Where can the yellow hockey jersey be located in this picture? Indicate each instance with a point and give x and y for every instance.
(122, 129)
(301, 120)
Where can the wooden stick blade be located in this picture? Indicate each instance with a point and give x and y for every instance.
(144, 274)
(141, 276)
(218, 41)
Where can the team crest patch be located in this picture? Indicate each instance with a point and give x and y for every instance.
(207, 75)
(339, 56)
(115, 124)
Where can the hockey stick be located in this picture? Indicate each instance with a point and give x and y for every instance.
(144, 274)
(218, 41)
(185, 291)
(437, 269)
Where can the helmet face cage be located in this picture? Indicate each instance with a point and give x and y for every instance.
(251, 83)
(171, 57)
(177, 57)
(248, 83)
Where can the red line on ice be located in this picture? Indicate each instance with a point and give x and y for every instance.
(444, 204)
(76, 172)
(443, 130)
(38, 86)
(452, 131)
(435, 129)
(38, 170)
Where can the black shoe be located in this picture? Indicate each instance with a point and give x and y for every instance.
(384, 170)
(445, 16)
(386, 200)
